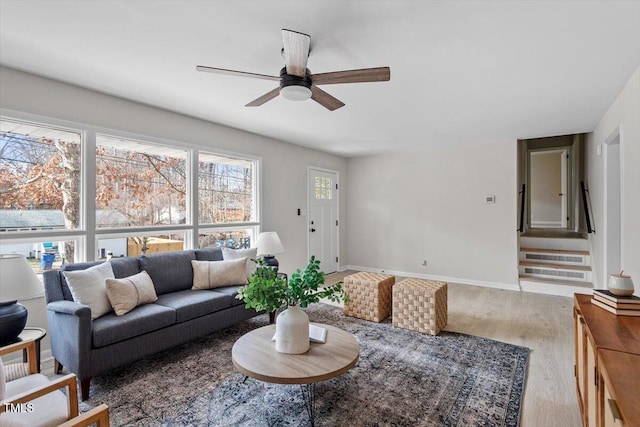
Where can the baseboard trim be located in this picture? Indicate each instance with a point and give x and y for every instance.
(45, 356)
(448, 279)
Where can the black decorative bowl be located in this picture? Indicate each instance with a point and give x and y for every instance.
(13, 318)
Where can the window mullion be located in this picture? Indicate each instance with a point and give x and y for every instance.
(89, 196)
(192, 199)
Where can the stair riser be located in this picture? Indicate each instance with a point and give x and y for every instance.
(552, 243)
(554, 273)
(551, 289)
(562, 259)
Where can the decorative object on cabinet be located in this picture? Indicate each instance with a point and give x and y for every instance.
(620, 284)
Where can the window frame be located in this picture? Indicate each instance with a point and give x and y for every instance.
(87, 234)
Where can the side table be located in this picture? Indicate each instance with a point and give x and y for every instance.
(32, 333)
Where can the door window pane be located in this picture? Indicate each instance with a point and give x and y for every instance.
(323, 188)
(139, 183)
(225, 189)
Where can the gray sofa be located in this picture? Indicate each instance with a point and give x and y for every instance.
(88, 348)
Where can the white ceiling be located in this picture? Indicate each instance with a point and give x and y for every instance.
(461, 71)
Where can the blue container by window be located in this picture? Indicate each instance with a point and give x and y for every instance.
(46, 262)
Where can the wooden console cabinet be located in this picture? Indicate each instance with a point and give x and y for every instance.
(607, 366)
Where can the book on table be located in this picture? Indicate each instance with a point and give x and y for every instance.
(316, 334)
(605, 294)
(616, 311)
(624, 305)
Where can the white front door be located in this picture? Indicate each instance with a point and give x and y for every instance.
(323, 218)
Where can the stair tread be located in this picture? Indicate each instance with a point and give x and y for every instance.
(555, 266)
(555, 251)
(576, 283)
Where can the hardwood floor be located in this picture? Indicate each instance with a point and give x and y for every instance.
(543, 323)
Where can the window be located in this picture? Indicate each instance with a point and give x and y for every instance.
(231, 238)
(127, 245)
(144, 201)
(40, 172)
(225, 189)
(42, 254)
(40, 187)
(323, 188)
(139, 184)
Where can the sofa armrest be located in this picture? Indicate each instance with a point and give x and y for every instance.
(70, 307)
(70, 330)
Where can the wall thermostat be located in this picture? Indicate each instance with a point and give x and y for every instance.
(489, 199)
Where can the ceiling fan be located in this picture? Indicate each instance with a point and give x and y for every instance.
(296, 81)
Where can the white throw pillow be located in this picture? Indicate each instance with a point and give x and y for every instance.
(250, 254)
(129, 292)
(88, 287)
(215, 274)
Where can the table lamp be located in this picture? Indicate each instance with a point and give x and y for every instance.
(269, 244)
(18, 281)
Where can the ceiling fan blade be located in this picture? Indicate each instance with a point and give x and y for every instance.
(324, 99)
(264, 98)
(380, 74)
(235, 73)
(296, 52)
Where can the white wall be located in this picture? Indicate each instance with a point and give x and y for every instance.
(405, 208)
(284, 166)
(624, 117)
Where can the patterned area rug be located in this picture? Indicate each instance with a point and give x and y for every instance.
(403, 378)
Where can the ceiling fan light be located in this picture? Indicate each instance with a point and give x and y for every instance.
(296, 93)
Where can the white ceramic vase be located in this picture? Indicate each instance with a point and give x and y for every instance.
(620, 284)
(292, 331)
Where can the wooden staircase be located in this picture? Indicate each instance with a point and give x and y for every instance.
(556, 266)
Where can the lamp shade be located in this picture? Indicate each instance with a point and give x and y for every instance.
(269, 243)
(18, 281)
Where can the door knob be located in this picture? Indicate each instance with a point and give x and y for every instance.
(313, 230)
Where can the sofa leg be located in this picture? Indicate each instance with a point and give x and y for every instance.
(57, 366)
(84, 388)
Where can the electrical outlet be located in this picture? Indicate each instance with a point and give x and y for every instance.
(424, 263)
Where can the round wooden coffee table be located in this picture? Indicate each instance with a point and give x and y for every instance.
(255, 355)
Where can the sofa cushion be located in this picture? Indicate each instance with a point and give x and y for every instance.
(170, 271)
(232, 291)
(191, 304)
(209, 254)
(88, 287)
(129, 292)
(214, 274)
(110, 328)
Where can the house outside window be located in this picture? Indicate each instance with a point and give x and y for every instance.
(143, 202)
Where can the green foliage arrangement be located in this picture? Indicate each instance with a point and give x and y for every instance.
(266, 291)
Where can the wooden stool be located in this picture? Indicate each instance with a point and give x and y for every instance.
(420, 305)
(370, 295)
